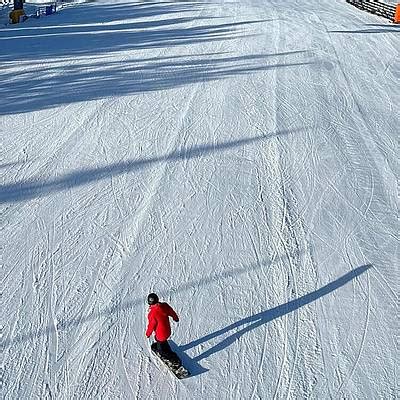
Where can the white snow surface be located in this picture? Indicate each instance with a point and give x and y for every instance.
(237, 158)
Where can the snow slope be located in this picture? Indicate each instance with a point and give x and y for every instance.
(239, 159)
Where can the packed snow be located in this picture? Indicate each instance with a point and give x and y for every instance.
(237, 158)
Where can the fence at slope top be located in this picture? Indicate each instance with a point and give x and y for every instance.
(31, 7)
(386, 9)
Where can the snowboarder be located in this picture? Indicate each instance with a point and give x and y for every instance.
(158, 317)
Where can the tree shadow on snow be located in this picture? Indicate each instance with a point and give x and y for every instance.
(262, 318)
(35, 188)
(64, 43)
(192, 363)
(69, 61)
(117, 309)
(47, 86)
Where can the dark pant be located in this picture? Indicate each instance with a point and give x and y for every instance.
(164, 350)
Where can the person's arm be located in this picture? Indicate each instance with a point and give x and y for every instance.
(151, 325)
(172, 313)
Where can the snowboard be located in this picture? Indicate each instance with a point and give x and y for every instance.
(176, 368)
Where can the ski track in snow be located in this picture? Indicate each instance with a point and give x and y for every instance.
(237, 158)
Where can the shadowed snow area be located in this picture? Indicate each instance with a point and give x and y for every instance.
(238, 159)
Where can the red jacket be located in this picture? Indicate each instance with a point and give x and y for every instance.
(159, 321)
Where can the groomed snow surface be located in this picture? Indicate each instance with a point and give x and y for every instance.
(236, 157)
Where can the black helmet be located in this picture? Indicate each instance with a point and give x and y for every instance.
(152, 298)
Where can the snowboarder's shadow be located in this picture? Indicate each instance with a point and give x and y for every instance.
(258, 320)
(190, 363)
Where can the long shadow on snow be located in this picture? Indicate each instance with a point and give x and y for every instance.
(90, 14)
(255, 320)
(92, 40)
(32, 188)
(49, 79)
(117, 308)
(92, 32)
(264, 317)
(369, 31)
(47, 87)
(96, 29)
(373, 28)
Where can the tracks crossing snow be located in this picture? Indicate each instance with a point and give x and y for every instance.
(225, 156)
